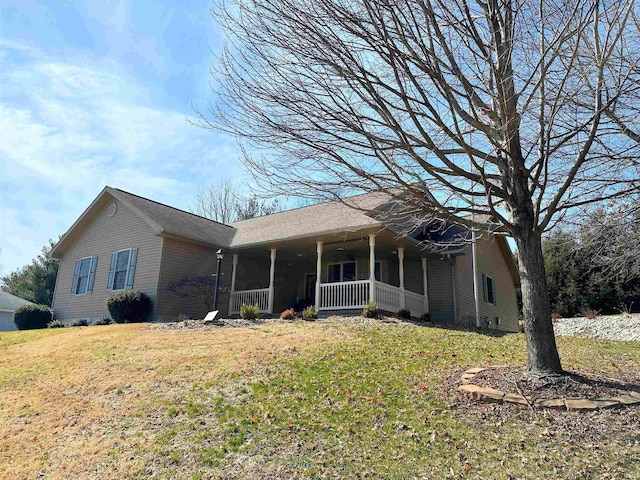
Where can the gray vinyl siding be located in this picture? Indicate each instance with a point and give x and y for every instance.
(6, 322)
(102, 236)
(439, 281)
(413, 276)
(491, 262)
(187, 259)
(465, 299)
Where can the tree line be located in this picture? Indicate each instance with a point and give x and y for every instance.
(595, 267)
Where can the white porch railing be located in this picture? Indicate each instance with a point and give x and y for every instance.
(387, 297)
(259, 297)
(414, 302)
(344, 295)
(339, 296)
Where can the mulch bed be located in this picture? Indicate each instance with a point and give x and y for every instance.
(576, 384)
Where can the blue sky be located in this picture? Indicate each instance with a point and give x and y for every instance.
(98, 93)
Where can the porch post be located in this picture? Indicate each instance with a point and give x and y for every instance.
(318, 274)
(233, 282)
(424, 284)
(233, 272)
(403, 299)
(271, 275)
(372, 267)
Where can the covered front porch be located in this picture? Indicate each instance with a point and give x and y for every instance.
(343, 271)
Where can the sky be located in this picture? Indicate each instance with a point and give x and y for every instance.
(96, 93)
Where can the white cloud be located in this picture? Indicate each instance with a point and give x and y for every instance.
(71, 126)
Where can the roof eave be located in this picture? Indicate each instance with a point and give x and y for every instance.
(317, 234)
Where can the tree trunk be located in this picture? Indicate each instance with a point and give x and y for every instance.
(538, 327)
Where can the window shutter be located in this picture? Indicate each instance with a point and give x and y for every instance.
(112, 269)
(484, 288)
(92, 274)
(74, 282)
(133, 258)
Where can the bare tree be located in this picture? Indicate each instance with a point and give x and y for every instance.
(217, 202)
(222, 202)
(520, 110)
(610, 239)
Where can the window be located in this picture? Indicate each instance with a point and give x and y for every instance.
(378, 271)
(341, 272)
(122, 269)
(84, 274)
(489, 289)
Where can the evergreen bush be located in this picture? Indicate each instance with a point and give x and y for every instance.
(129, 306)
(30, 317)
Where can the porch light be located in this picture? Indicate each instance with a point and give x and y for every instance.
(340, 249)
(219, 256)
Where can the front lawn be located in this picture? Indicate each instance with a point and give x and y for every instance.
(293, 400)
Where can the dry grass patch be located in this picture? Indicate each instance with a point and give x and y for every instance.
(69, 397)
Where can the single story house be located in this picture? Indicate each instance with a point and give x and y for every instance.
(8, 305)
(333, 255)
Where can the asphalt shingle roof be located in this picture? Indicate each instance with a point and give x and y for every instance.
(178, 222)
(347, 215)
(10, 302)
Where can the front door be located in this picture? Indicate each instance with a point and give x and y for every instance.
(310, 287)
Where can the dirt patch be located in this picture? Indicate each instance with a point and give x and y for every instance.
(577, 384)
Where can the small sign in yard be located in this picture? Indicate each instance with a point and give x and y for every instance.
(211, 316)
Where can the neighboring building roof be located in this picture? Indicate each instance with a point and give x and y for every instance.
(177, 222)
(336, 216)
(10, 303)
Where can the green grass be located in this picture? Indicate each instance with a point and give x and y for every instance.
(296, 400)
(373, 408)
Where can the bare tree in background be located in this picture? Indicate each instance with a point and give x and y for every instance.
(521, 110)
(217, 202)
(610, 239)
(222, 202)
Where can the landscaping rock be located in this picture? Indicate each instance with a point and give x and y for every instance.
(611, 327)
(490, 395)
(515, 398)
(556, 403)
(580, 404)
(473, 371)
(467, 378)
(469, 389)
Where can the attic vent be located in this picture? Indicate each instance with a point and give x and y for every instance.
(112, 210)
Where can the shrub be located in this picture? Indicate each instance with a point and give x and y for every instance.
(249, 312)
(404, 313)
(55, 324)
(103, 321)
(29, 317)
(129, 306)
(309, 313)
(590, 313)
(288, 314)
(425, 317)
(80, 322)
(370, 310)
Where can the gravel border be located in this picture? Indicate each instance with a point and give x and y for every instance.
(609, 327)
